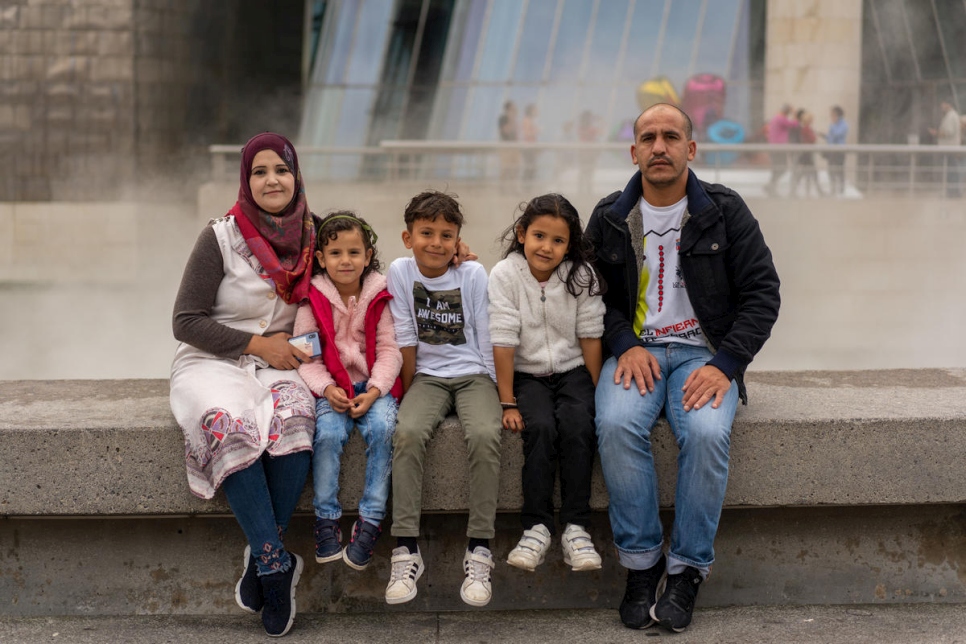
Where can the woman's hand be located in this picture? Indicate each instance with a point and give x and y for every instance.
(276, 351)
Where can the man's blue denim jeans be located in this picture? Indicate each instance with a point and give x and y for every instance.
(263, 497)
(625, 419)
(332, 431)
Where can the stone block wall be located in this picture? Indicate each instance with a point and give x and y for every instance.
(93, 93)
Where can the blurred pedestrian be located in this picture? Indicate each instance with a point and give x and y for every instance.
(779, 128)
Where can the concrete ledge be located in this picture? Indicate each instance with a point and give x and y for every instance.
(100, 448)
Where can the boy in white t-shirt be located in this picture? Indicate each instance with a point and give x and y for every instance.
(442, 329)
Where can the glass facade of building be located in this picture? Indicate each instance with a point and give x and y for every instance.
(443, 69)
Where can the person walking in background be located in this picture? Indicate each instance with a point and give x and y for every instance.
(780, 128)
(508, 129)
(247, 417)
(805, 164)
(692, 295)
(949, 132)
(354, 381)
(837, 133)
(529, 132)
(546, 319)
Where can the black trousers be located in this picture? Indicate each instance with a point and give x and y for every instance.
(558, 413)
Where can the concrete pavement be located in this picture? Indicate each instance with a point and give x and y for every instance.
(859, 624)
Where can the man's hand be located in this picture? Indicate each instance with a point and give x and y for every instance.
(639, 365)
(704, 384)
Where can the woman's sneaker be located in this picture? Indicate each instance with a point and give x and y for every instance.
(578, 549)
(358, 553)
(532, 548)
(476, 589)
(328, 540)
(279, 591)
(406, 569)
(248, 590)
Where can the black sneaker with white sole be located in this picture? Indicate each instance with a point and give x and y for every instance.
(643, 587)
(248, 590)
(278, 613)
(673, 610)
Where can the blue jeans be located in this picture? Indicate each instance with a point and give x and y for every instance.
(263, 497)
(625, 419)
(332, 431)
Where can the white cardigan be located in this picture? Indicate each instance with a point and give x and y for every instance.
(545, 332)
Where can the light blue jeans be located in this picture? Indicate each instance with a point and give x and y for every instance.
(625, 419)
(332, 431)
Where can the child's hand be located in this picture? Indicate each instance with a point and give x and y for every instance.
(512, 420)
(337, 398)
(359, 405)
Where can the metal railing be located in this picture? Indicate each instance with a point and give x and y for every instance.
(870, 168)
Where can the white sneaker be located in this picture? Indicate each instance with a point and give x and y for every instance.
(532, 548)
(407, 568)
(476, 590)
(578, 549)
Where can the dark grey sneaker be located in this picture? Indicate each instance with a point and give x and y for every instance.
(248, 590)
(358, 553)
(279, 592)
(328, 540)
(643, 588)
(673, 610)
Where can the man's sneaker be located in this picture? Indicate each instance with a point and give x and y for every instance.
(578, 549)
(279, 591)
(248, 590)
(328, 540)
(673, 610)
(358, 553)
(532, 548)
(407, 568)
(476, 590)
(643, 587)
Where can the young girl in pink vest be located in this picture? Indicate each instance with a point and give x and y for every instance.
(355, 380)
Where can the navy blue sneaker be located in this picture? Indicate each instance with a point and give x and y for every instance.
(328, 540)
(278, 588)
(643, 587)
(673, 610)
(248, 590)
(358, 553)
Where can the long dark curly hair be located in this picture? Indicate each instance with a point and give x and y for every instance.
(579, 251)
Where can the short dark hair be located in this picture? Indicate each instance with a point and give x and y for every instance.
(688, 126)
(431, 204)
(838, 111)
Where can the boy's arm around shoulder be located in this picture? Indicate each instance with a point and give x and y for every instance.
(476, 283)
(400, 286)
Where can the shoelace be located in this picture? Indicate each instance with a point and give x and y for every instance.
(478, 570)
(403, 569)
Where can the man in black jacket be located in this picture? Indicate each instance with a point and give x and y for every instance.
(692, 295)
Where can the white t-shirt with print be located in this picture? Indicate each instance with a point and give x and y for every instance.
(664, 313)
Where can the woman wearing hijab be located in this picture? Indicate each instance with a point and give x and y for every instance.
(247, 417)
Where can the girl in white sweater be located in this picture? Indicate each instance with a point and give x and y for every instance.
(546, 320)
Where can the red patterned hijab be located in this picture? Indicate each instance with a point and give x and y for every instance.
(284, 243)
